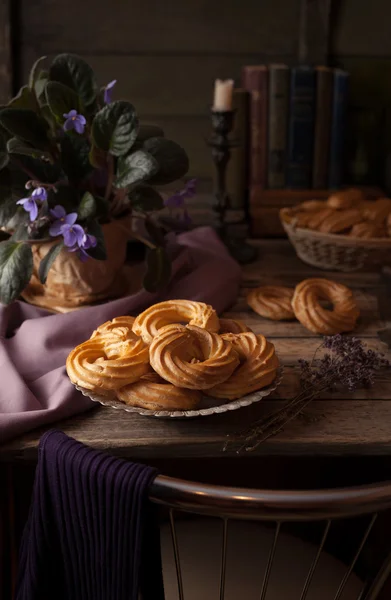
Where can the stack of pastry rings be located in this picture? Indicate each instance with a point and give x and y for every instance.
(165, 357)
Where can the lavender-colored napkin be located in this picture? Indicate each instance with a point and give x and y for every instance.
(34, 344)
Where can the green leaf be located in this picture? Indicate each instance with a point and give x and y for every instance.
(75, 157)
(48, 260)
(35, 72)
(16, 268)
(115, 127)
(87, 207)
(3, 152)
(154, 231)
(172, 159)
(8, 206)
(147, 131)
(145, 197)
(99, 252)
(42, 170)
(25, 98)
(134, 168)
(74, 72)
(40, 85)
(158, 269)
(102, 208)
(98, 158)
(26, 125)
(16, 146)
(61, 99)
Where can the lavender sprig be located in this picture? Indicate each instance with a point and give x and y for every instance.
(346, 364)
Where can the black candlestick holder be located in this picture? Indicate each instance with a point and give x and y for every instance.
(222, 123)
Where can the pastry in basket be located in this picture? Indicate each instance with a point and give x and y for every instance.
(378, 211)
(340, 220)
(308, 310)
(192, 357)
(258, 366)
(367, 230)
(313, 219)
(310, 205)
(232, 326)
(148, 323)
(346, 199)
(272, 302)
(105, 364)
(154, 393)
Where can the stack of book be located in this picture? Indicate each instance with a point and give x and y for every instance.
(290, 126)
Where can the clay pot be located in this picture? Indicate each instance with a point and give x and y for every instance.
(72, 283)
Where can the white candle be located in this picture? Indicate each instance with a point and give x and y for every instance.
(223, 95)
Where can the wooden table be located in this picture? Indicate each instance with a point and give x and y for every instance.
(334, 425)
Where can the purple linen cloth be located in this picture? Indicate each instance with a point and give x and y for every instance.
(34, 344)
(92, 534)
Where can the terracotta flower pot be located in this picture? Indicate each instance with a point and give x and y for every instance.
(72, 283)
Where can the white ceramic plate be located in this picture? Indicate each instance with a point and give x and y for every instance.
(208, 406)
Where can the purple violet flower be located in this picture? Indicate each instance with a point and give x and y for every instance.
(107, 96)
(66, 226)
(30, 204)
(88, 241)
(74, 121)
(177, 200)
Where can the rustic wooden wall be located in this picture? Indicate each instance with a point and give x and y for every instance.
(166, 54)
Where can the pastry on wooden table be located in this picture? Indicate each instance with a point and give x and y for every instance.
(192, 357)
(232, 326)
(149, 322)
(367, 230)
(152, 392)
(308, 310)
(258, 366)
(345, 199)
(340, 220)
(272, 302)
(104, 365)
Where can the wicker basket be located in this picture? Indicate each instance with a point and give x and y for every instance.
(335, 252)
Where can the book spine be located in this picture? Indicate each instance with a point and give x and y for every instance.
(301, 127)
(236, 182)
(278, 125)
(324, 90)
(338, 127)
(254, 80)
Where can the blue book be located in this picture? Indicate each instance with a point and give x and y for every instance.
(338, 127)
(301, 127)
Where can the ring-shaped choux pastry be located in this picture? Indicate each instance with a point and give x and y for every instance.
(258, 368)
(367, 230)
(272, 302)
(346, 198)
(119, 327)
(340, 220)
(232, 326)
(149, 322)
(154, 393)
(306, 304)
(104, 365)
(191, 357)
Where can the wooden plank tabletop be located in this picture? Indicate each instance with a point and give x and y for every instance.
(344, 424)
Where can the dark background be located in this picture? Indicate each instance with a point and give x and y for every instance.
(167, 53)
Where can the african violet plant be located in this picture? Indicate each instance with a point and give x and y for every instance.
(72, 159)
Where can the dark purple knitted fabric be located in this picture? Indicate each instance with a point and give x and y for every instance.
(91, 533)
